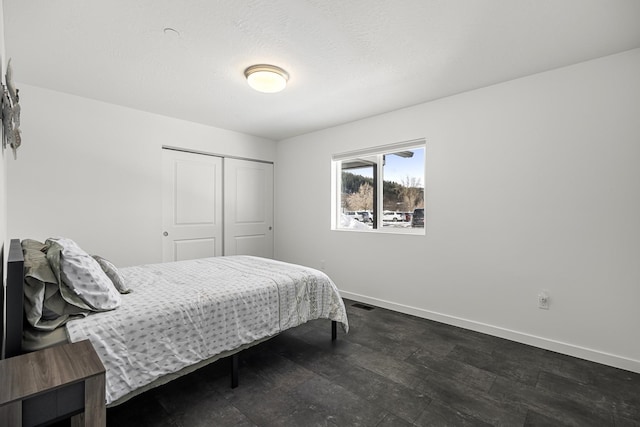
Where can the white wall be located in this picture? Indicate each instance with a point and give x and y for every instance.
(4, 243)
(531, 184)
(91, 171)
(7, 153)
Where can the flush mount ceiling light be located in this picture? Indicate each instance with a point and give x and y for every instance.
(266, 78)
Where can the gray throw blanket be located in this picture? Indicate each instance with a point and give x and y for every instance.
(48, 302)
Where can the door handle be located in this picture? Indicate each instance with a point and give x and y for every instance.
(165, 234)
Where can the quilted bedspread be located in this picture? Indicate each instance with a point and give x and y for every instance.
(184, 312)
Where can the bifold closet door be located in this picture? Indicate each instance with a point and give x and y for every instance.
(248, 208)
(192, 205)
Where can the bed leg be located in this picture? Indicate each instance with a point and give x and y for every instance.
(334, 330)
(234, 370)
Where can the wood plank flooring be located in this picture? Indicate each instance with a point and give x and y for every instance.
(392, 370)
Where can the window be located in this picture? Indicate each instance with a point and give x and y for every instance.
(379, 189)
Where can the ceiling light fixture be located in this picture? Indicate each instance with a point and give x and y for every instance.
(266, 78)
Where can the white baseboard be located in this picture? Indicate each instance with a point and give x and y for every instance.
(536, 341)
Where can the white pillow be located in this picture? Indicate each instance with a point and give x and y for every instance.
(112, 273)
(84, 276)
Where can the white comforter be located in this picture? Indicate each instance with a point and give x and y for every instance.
(184, 312)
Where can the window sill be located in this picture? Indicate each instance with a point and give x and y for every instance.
(418, 231)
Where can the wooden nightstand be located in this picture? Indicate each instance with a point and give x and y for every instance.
(52, 383)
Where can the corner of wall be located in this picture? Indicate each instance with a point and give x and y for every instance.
(3, 188)
(3, 161)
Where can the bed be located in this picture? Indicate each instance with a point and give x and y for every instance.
(177, 316)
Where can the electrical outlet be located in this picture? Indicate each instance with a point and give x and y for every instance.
(543, 300)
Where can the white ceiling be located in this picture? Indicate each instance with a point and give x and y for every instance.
(348, 59)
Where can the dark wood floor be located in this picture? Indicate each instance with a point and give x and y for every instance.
(392, 370)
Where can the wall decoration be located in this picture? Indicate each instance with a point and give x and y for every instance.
(10, 113)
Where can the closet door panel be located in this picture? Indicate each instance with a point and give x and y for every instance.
(248, 208)
(192, 205)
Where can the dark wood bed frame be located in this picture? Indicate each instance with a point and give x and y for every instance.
(14, 309)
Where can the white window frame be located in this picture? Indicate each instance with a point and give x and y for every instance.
(378, 154)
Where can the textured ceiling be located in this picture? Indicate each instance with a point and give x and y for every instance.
(347, 59)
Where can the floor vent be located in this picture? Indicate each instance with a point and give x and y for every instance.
(362, 306)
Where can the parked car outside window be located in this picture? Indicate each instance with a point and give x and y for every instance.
(365, 216)
(417, 220)
(354, 215)
(392, 216)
